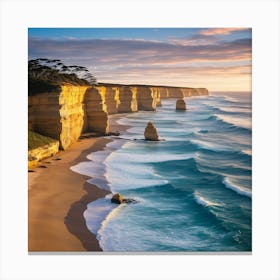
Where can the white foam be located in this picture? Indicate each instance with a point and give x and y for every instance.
(235, 109)
(203, 201)
(237, 121)
(98, 156)
(132, 176)
(137, 156)
(237, 188)
(247, 152)
(97, 211)
(210, 146)
(89, 168)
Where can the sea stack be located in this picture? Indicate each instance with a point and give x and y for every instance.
(150, 132)
(180, 105)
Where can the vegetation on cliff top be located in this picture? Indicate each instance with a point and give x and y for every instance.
(36, 140)
(47, 75)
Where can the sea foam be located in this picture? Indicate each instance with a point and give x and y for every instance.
(203, 201)
(239, 122)
(237, 188)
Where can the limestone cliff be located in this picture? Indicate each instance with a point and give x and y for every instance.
(108, 95)
(202, 91)
(146, 98)
(59, 115)
(127, 101)
(65, 114)
(175, 93)
(156, 95)
(96, 110)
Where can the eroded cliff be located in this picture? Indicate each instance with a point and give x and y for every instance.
(59, 115)
(96, 110)
(65, 115)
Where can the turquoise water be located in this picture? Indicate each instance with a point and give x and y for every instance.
(194, 188)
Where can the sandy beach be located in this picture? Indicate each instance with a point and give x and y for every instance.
(57, 198)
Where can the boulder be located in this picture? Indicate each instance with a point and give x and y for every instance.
(129, 200)
(180, 105)
(117, 198)
(151, 132)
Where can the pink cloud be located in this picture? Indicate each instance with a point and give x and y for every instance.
(220, 31)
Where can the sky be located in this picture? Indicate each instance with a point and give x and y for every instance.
(218, 59)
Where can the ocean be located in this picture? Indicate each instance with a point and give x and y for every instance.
(194, 188)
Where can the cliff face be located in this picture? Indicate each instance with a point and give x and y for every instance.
(175, 93)
(59, 115)
(96, 110)
(146, 98)
(108, 95)
(202, 91)
(127, 99)
(65, 115)
(156, 95)
(76, 109)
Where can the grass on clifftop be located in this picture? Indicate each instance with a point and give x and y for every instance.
(36, 140)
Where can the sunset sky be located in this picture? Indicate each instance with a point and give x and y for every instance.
(216, 58)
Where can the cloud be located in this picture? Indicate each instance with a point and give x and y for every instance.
(208, 36)
(220, 31)
(150, 61)
(113, 52)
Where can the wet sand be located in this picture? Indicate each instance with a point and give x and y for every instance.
(58, 197)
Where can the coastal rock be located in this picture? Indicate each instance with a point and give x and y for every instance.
(66, 114)
(129, 200)
(108, 96)
(146, 98)
(96, 111)
(180, 105)
(117, 198)
(202, 91)
(186, 92)
(175, 93)
(156, 95)
(163, 93)
(60, 116)
(151, 132)
(127, 101)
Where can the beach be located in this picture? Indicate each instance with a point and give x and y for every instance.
(58, 197)
(192, 193)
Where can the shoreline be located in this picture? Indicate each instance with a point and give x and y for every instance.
(58, 197)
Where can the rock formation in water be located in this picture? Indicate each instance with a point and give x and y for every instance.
(150, 133)
(180, 105)
(117, 198)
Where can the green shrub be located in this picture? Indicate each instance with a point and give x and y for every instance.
(36, 140)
